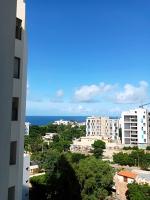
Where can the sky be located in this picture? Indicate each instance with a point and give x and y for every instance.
(87, 57)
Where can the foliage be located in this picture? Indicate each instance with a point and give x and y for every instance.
(135, 158)
(98, 148)
(95, 177)
(138, 192)
(148, 148)
(130, 148)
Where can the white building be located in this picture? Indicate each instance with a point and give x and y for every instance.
(27, 128)
(26, 174)
(135, 127)
(97, 126)
(114, 129)
(48, 137)
(13, 97)
(103, 127)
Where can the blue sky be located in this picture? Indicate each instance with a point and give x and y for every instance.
(87, 57)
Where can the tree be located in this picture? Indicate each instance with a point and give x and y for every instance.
(95, 177)
(138, 192)
(98, 148)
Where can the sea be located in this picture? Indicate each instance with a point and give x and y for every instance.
(44, 120)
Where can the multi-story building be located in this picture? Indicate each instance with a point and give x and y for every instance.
(13, 97)
(135, 127)
(114, 129)
(97, 126)
(26, 174)
(27, 128)
(102, 126)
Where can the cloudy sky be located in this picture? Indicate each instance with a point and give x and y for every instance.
(87, 57)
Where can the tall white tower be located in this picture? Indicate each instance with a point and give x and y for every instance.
(13, 97)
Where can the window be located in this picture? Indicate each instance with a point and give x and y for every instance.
(15, 105)
(125, 179)
(11, 193)
(13, 151)
(144, 140)
(18, 28)
(16, 68)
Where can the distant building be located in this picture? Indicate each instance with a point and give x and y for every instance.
(49, 137)
(97, 126)
(26, 173)
(135, 127)
(103, 127)
(114, 129)
(62, 122)
(27, 128)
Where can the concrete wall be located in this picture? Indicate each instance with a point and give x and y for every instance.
(7, 46)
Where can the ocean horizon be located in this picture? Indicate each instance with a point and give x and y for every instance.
(44, 120)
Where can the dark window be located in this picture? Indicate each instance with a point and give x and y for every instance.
(16, 68)
(11, 193)
(125, 179)
(15, 105)
(13, 151)
(18, 28)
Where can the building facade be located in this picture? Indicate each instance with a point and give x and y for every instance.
(102, 126)
(135, 127)
(13, 97)
(97, 126)
(26, 174)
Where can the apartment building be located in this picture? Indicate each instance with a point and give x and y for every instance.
(136, 127)
(114, 129)
(13, 97)
(97, 126)
(26, 174)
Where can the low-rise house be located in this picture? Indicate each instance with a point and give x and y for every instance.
(49, 137)
(122, 179)
(34, 169)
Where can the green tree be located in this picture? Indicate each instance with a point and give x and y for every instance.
(95, 177)
(138, 192)
(98, 148)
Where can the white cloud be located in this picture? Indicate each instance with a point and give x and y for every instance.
(60, 93)
(86, 93)
(133, 94)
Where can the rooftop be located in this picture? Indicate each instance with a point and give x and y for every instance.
(127, 174)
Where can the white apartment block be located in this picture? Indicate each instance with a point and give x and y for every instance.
(114, 129)
(13, 97)
(27, 128)
(135, 127)
(26, 174)
(102, 126)
(97, 126)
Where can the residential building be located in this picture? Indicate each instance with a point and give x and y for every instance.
(122, 179)
(104, 127)
(97, 126)
(13, 97)
(114, 129)
(27, 128)
(135, 127)
(26, 174)
(48, 137)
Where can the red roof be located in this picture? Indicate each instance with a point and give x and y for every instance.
(127, 174)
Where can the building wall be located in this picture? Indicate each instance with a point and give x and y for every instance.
(10, 131)
(26, 173)
(102, 126)
(135, 128)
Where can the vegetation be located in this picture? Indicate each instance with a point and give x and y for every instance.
(135, 158)
(98, 148)
(130, 148)
(67, 175)
(148, 148)
(73, 176)
(138, 192)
